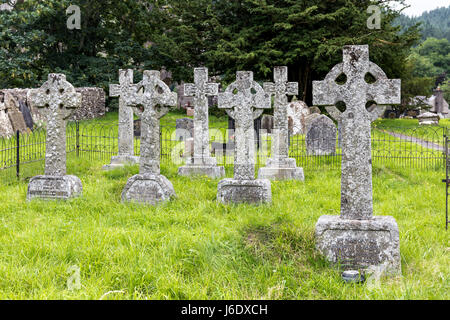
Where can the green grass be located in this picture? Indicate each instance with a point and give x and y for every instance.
(195, 248)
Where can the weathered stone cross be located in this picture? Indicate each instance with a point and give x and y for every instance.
(58, 99)
(126, 127)
(201, 89)
(356, 181)
(155, 97)
(281, 88)
(244, 100)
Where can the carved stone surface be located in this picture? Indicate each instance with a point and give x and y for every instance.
(359, 244)
(356, 181)
(297, 112)
(244, 191)
(280, 166)
(321, 136)
(149, 99)
(57, 99)
(244, 100)
(202, 162)
(148, 188)
(126, 125)
(54, 187)
(93, 104)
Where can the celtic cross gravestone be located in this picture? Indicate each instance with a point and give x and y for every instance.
(126, 132)
(244, 100)
(279, 166)
(357, 239)
(201, 163)
(57, 99)
(149, 100)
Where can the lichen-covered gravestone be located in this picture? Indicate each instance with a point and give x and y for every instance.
(149, 100)
(126, 124)
(321, 136)
(201, 163)
(244, 100)
(57, 99)
(357, 239)
(279, 166)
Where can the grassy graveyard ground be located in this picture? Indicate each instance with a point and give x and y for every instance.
(195, 248)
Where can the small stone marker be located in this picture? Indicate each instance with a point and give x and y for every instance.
(244, 100)
(201, 163)
(357, 239)
(149, 186)
(57, 99)
(297, 112)
(428, 118)
(279, 166)
(14, 114)
(126, 124)
(321, 136)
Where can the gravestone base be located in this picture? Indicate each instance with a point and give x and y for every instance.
(202, 166)
(248, 191)
(360, 244)
(283, 169)
(148, 188)
(54, 188)
(210, 171)
(120, 162)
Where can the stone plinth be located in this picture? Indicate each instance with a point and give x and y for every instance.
(360, 244)
(244, 191)
(148, 188)
(54, 188)
(121, 161)
(285, 169)
(428, 118)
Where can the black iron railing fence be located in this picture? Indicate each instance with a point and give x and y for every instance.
(23, 155)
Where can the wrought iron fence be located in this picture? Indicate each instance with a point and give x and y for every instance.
(22, 156)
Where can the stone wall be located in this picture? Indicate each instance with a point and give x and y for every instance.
(93, 103)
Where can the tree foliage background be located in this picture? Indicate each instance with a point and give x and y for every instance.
(223, 35)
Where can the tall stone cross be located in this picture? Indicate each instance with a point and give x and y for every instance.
(280, 89)
(57, 99)
(153, 95)
(244, 100)
(356, 181)
(200, 90)
(126, 125)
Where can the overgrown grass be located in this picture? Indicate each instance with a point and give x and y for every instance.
(195, 248)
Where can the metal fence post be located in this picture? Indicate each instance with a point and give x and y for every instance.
(77, 126)
(18, 154)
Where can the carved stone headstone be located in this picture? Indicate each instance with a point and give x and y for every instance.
(267, 123)
(14, 114)
(244, 100)
(57, 99)
(321, 136)
(126, 124)
(201, 163)
(357, 239)
(184, 129)
(297, 112)
(279, 166)
(149, 99)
